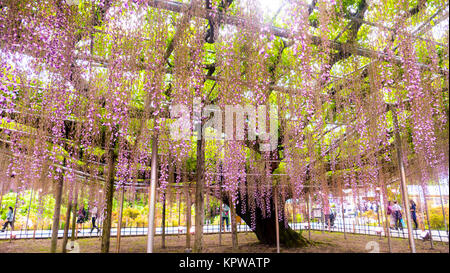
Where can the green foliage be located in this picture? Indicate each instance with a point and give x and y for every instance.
(132, 213)
(23, 204)
(370, 214)
(437, 218)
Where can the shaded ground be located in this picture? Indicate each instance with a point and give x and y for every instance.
(325, 243)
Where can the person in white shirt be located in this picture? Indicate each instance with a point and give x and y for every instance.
(397, 212)
(94, 217)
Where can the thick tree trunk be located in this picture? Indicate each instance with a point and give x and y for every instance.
(58, 198)
(67, 224)
(109, 194)
(265, 228)
(57, 211)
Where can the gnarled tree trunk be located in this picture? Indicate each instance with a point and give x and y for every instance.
(265, 228)
(109, 193)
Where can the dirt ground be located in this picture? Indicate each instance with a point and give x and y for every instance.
(248, 243)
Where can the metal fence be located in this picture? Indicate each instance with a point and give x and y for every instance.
(350, 228)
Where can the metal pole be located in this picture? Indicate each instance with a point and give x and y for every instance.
(403, 188)
(152, 197)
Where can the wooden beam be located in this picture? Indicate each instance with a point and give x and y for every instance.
(277, 31)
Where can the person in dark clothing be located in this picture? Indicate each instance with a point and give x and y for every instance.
(333, 217)
(412, 208)
(81, 218)
(9, 219)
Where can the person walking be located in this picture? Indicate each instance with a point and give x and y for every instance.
(94, 217)
(80, 219)
(326, 212)
(412, 209)
(397, 211)
(390, 212)
(225, 214)
(9, 219)
(332, 215)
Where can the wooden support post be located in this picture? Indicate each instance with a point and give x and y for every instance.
(1, 197)
(386, 219)
(293, 212)
(57, 210)
(220, 222)
(378, 204)
(179, 210)
(308, 200)
(74, 217)
(199, 194)
(277, 227)
(152, 194)
(58, 199)
(109, 192)
(67, 224)
(119, 223)
(163, 223)
(324, 221)
(403, 187)
(343, 213)
(188, 217)
(29, 209)
(234, 237)
(2, 184)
